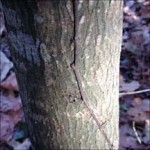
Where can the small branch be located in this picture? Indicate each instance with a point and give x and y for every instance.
(136, 134)
(134, 92)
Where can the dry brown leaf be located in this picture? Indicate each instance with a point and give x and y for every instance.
(146, 138)
(6, 127)
(10, 83)
(145, 105)
(20, 146)
(137, 101)
(140, 112)
(7, 104)
(5, 66)
(129, 87)
(11, 114)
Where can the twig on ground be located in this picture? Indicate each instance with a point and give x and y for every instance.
(134, 92)
(136, 134)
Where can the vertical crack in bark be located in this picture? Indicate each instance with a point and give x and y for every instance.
(74, 32)
(78, 78)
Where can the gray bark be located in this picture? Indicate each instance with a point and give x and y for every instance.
(45, 37)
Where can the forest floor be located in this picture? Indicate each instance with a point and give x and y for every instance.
(134, 76)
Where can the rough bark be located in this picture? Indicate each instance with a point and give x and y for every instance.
(46, 37)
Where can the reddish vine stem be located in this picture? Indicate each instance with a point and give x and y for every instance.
(78, 79)
(83, 97)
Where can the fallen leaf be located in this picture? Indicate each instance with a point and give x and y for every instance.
(10, 83)
(8, 104)
(20, 146)
(129, 87)
(137, 101)
(6, 127)
(5, 66)
(140, 112)
(145, 105)
(146, 138)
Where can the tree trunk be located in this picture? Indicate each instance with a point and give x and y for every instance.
(66, 56)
